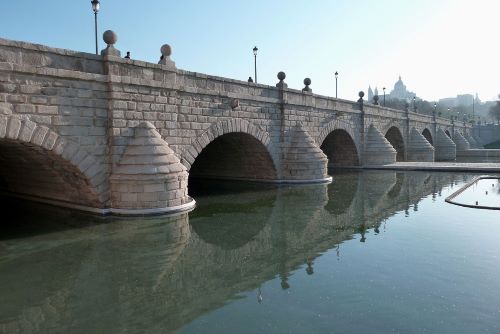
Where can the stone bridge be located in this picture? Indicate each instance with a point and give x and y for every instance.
(114, 135)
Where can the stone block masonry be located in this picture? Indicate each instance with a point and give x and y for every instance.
(108, 134)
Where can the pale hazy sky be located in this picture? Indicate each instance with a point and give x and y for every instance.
(441, 48)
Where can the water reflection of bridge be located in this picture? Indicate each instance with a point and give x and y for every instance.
(161, 274)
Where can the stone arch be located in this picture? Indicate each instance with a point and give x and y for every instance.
(427, 134)
(332, 126)
(36, 162)
(340, 149)
(254, 148)
(394, 136)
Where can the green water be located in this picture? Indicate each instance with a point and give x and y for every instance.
(373, 252)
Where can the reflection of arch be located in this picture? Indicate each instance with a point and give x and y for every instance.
(340, 149)
(342, 192)
(234, 155)
(427, 134)
(36, 161)
(447, 133)
(394, 137)
(244, 217)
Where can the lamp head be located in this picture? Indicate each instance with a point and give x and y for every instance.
(96, 5)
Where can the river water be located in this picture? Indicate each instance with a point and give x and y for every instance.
(373, 252)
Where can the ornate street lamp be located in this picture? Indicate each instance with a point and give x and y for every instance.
(255, 61)
(96, 5)
(384, 95)
(336, 77)
(414, 104)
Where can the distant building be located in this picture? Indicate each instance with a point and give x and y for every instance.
(461, 100)
(400, 92)
(370, 93)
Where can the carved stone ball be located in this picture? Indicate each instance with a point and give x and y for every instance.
(361, 94)
(166, 50)
(110, 37)
(307, 81)
(281, 76)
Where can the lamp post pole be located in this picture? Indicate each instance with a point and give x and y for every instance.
(95, 7)
(336, 82)
(384, 95)
(414, 104)
(255, 62)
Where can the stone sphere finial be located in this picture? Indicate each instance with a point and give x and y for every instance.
(110, 37)
(281, 77)
(361, 94)
(166, 50)
(307, 89)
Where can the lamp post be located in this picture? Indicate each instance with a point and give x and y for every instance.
(434, 111)
(336, 77)
(449, 114)
(384, 95)
(414, 104)
(255, 61)
(96, 5)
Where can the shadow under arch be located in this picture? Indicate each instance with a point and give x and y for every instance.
(340, 149)
(447, 133)
(35, 162)
(235, 155)
(427, 134)
(395, 137)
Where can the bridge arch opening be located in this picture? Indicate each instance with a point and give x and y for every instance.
(31, 171)
(340, 149)
(427, 134)
(235, 155)
(395, 137)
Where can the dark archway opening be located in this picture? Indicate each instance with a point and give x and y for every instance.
(235, 156)
(447, 133)
(31, 171)
(340, 149)
(427, 134)
(394, 137)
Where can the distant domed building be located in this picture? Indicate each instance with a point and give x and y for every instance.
(398, 93)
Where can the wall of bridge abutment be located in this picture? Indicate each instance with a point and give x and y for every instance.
(124, 136)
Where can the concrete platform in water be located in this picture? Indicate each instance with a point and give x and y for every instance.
(442, 166)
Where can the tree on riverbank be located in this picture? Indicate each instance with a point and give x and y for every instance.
(494, 111)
